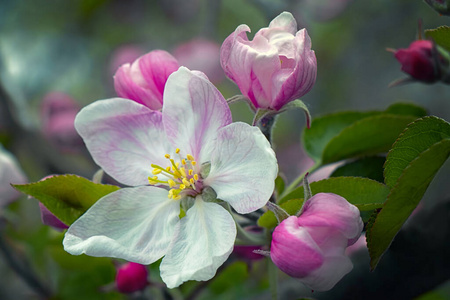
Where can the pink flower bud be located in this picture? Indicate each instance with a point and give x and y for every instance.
(311, 247)
(418, 61)
(143, 81)
(278, 66)
(125, 54)
(202, 55)
(131, 277)
(58, 111)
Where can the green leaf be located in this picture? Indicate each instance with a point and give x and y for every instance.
(368, 136)
(410, 166)
(369, 167)
(404, 197)
(269, 220)
(365, 193)
(279, 186)
(325, 128)
(440, 35)
(418, 137)
(66, 196)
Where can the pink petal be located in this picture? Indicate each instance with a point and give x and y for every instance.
(193, 111)
(331, 210)
(124, 138)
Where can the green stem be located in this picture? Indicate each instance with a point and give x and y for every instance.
(299, 179)
(273, 279)
(247, 237)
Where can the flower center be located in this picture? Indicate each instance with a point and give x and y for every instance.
(181, 176)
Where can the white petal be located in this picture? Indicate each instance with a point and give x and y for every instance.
(124, 138)
(193, 111)
(136, 224)
(202, 243)
(330, 273)
(243, 167)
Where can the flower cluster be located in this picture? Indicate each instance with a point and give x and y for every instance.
(187, 168)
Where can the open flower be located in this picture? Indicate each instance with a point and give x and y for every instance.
(311, 247)
(190, 154)
(277, 67)
(143, 81)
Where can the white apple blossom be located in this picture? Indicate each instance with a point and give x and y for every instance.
(191, 154)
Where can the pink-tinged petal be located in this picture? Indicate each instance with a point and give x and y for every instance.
(250, 64)
(124, 138)
(293, 250)
(202, 243)
(285, 22)
(156, 67)
(331, 210)
(10, 172)
(135, 224)
(226, 50)
(126, 87)
(243, 167)
(50, 219)
(331, 271)
(193, 111)
(293, 83)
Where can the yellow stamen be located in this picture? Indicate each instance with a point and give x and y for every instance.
(182, 186)
(156, 171)
(177, 150)
(183, 162)
(183, 172)
(193, 162)
(168, 169)
(190, 157)
(186, 182)
(191, 172)
(191, 180)
(171, 183)
(167, 156)
(195, 177)
(177, 197)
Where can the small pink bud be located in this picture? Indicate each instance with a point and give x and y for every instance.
(418, 61)
(58, 111)
(311, 247)
(144, 80)
(276, 67)
(202, 55)
(131, 277)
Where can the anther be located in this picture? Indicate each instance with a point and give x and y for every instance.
(186, 182)
(156, 171)
(171, 183)
(177, 150)
(195, 177)
(167, 156)
(193, 162)
(190, 157)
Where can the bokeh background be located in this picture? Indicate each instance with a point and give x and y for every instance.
(74, 47)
